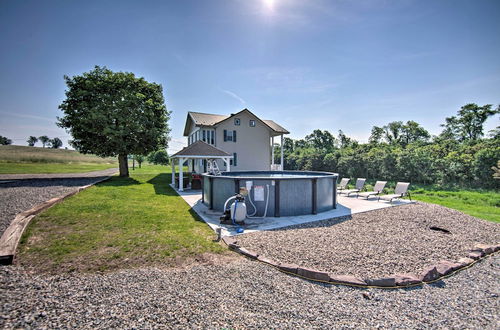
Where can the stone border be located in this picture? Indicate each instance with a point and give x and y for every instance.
(434, 273)
(12, 235)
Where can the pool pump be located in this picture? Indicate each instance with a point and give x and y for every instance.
(236, 213)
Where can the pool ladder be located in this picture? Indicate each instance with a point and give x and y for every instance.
(213, 168)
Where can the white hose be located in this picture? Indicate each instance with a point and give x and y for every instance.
(265, 210)
(227, 201)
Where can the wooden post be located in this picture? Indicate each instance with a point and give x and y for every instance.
(181, 174)
(272, 152)
(172, 162)
(282, 164)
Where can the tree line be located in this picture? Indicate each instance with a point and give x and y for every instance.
(405, 151)
(54, 143)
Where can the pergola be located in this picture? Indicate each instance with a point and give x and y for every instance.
(197, 150)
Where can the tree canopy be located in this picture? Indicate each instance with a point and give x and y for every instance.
(114, 114)
(5, 141)
(32, 140)
(44, 139)
(55, 143)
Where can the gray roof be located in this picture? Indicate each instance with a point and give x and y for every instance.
(201, 149)
(209, 119)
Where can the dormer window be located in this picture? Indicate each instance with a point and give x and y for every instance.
(252, 123)
(237, 121)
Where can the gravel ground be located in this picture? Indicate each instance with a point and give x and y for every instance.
(23, 191)
(377, 243)
(242, 294)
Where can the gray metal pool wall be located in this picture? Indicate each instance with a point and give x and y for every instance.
(313, 193)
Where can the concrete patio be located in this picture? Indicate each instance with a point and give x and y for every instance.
(345, 207)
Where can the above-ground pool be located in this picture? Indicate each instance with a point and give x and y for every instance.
(287, 193)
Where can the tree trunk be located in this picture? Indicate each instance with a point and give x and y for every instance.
(123, 162)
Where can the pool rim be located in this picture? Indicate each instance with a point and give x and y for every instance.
(306, 175)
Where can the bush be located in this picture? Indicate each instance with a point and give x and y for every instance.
(159, 157)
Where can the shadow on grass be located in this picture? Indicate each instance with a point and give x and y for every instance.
(162, 187)
(117, 181)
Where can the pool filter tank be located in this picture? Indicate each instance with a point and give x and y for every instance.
(239, 210)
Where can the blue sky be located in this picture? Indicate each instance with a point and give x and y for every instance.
(305, 64)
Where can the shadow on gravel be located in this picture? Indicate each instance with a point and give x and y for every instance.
(51, 182)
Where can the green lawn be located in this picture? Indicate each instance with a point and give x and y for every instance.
(481, 204)
(123, 222)
(23, 159)
(37, 168)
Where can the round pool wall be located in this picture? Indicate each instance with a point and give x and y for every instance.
(290, 192)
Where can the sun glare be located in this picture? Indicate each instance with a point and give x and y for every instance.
(269, 4)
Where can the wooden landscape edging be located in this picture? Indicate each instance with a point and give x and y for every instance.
(12, 235)
(429, 275)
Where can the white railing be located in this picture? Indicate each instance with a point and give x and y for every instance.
(276, 167)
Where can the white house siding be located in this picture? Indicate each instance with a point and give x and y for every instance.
(252, 144)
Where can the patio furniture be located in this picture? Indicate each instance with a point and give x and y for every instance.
(360, 183)
(377, 190)
(196, 182)
(400, 191)
(342, 185)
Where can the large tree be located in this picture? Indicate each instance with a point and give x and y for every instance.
(32, 140)
(114, 114)
(5, 141)
(44, 139)
(467, 125)
(55, 143)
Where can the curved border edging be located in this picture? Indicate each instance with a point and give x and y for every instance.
(12, 235)
(431, 274)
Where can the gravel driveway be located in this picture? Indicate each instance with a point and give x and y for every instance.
(377, 243)
(20, 192)
(242, 294)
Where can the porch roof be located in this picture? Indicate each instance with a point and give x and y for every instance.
(201, 149)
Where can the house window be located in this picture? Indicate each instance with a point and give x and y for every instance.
(252, 123)
(204, 136)
(237, 121)
(212, 137)
(229, 135)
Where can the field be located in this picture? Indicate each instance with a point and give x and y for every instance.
(22, 159)
(480, 204)
(123, 222)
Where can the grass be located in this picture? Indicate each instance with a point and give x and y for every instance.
(37, 168)
(22, 159)
(484, 204)
(123, 222)
(480, 204)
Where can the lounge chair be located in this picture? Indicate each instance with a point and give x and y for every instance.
(342, 185)
(360, 183)
(400, 192)
(377, 190)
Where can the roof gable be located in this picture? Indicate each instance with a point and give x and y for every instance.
(208, 119)
(200, 149)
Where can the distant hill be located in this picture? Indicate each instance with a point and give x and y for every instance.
(24, 154)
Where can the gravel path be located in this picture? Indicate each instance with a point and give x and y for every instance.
(23, 191)
(377, 243)
(242, 294)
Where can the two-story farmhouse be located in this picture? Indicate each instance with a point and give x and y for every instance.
(244, 136)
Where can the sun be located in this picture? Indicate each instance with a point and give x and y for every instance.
(269, 4)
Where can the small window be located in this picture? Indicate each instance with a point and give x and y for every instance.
(252, 123)
(228, 135)
(237, 121)
(212, 137)
(204, 136)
